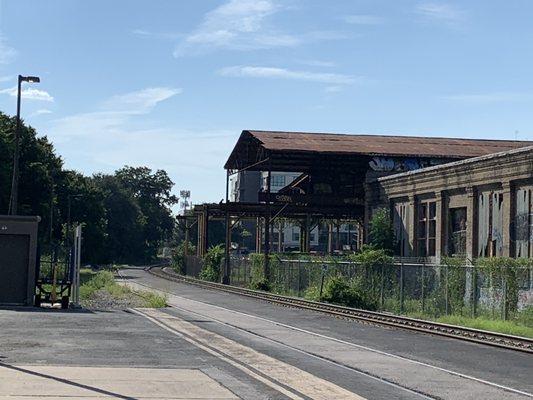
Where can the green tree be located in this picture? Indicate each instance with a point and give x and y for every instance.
(87, 207)
(126, 216)
(38, 165)
(152, 191)
(381, 230)
(125, 222)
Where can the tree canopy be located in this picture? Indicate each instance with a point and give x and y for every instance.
(125, 216)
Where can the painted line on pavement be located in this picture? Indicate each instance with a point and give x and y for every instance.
(455, 373)
(302, 382)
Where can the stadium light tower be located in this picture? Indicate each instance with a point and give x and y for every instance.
(13, 200)
(185, 196)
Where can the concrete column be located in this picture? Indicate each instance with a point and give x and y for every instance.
(508, 212)
(440, 249)
(368, 211)
(411, 228)
(330, 237)
(471, 222)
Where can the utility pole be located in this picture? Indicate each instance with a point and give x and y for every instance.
(13, 201)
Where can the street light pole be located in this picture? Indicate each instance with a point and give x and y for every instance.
(13, 202)
(69, 203)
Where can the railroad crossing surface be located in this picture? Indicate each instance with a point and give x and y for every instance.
(211, 344)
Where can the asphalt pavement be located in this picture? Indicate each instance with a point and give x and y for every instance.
(400, 362)
(215, 345)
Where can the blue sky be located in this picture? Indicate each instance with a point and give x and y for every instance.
(170, 84)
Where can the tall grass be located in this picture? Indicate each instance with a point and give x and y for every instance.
(93, 282)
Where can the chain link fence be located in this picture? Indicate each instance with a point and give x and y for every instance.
(403, 287)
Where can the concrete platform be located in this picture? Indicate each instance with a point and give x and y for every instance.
(32, 382)
(64, 354)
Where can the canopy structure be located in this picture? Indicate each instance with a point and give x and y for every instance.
(334, 171)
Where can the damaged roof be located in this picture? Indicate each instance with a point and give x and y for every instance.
(254, 142)
(383, 145)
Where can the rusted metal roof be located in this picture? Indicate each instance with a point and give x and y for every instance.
(382, 145)
(300, 151)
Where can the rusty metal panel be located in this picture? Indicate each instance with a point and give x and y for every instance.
(382, 145)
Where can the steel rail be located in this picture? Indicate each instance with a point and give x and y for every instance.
(501, 340)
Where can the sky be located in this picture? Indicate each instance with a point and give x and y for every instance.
(171, 84)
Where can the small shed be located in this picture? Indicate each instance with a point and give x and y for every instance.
(18, 259)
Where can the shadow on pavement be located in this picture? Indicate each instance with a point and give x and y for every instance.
(24, 309)
(67, 382)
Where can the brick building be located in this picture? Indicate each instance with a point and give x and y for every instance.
(478, 207)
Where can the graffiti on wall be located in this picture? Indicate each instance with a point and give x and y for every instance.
(387, 164)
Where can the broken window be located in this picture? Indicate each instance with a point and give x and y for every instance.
(490, 224)
(400, 223)
(523, 223)
(427, 228)
(457, 231)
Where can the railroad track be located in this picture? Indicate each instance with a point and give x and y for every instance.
(452, 331)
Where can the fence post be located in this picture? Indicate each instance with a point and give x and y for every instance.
(322, 281)
(401, 287)
(299, 280)
(288, 278)
(504, 298)
(382, 285)
(474, 291)
(423, 285)
(446, 296)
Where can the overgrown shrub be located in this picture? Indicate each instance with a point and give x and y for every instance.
(504, 274)
(374, 273)
(212, 263)
(178, 256)
(312, 293)
(258, 280)
(455, 282)
(351, 293)
(370, 257)
(381, 231)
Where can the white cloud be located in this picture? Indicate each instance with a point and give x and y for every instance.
(158, 35)
(29, 94)
(361, 19)
(239, 25)
(114, 115)
(141, 101)
(42, 111)
(236, 25)
(333, 89)
(7, 53)
(318, 63)
(282, 73)
(141, 32)
(440, 12)
(486, 98)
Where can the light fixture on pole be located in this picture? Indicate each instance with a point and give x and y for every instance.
(13, 201)
(185, 196)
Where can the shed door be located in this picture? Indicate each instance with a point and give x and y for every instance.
(14, 260)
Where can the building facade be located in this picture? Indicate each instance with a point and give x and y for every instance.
(286, 235)
(478, 207)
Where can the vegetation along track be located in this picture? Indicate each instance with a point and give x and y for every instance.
(394, 321)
